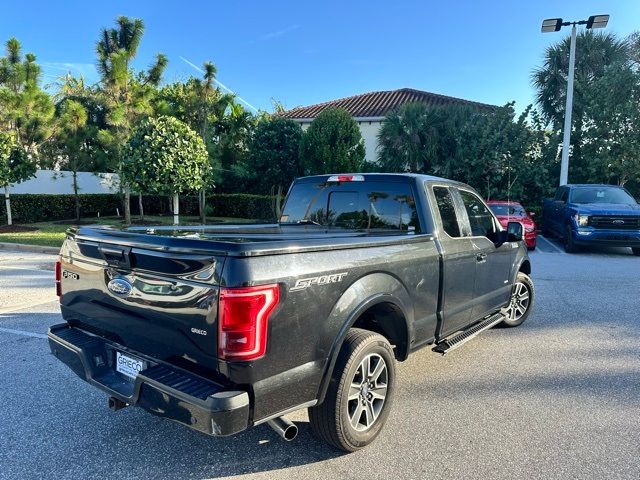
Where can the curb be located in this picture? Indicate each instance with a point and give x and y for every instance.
(21, 247)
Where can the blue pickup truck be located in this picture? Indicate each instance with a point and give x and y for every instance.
(584, 215)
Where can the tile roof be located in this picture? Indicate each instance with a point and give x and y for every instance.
(378, 104)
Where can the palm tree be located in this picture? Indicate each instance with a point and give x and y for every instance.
(595, 52)
(126, 97)
(409, 138)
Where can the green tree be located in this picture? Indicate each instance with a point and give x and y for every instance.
(26, 111)
(15, 167)
(165, 156)
(232, 134)
(490, 149)
(596, 51)
(125, 95)
(332, 144)
(612, 129)
(26, 114)
(201, 105)
(74, 147)
(273, 154)
(410, 138)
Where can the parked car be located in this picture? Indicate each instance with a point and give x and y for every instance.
(509, 211)
(584, 215)
(221, 328)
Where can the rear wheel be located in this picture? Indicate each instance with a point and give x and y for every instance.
(636, 251)
(522, 297)
(360, 392)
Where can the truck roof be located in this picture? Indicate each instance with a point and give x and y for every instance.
(579, 185)
(387, 177)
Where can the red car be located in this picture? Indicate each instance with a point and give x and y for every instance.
(514, 212)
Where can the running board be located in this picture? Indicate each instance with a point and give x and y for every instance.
(453, 342)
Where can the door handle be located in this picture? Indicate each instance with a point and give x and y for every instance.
(481, 257)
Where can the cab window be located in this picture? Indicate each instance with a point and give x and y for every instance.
(447, 210)
(480, 218)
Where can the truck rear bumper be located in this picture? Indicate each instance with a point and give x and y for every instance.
(159, 388)
(613, 238)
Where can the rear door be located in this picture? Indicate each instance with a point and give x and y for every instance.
(459, 263)
(493, 264)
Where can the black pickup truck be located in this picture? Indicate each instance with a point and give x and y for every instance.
(222, 328)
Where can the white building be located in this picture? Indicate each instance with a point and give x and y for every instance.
(369, 110)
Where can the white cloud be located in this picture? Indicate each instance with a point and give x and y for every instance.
(279, 33)
(58, 69)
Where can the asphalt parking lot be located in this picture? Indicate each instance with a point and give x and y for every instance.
(558, 397)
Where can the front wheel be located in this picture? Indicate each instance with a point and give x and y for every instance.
(569, 244)
(360, 392)
(521, 302)
(636, 251)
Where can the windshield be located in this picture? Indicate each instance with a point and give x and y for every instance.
(508, 210)
(352, 205)
(601, 195)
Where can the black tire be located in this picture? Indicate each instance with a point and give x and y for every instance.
(636, 251)
(330, 421)
(523, 282)
(569, 244)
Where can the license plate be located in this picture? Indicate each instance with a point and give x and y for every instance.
(128, 366)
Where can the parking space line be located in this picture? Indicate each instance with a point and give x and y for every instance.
(16, 308)
(553, 245)
(7, 267)
(22, 332)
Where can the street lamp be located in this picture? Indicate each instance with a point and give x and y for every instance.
(554, 25)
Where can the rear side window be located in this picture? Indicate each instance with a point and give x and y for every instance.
(447, 210)
(480, 217)
(353, 205)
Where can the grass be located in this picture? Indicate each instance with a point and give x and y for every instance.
(52, 234)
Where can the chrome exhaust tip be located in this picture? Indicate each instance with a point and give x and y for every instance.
(285, 428)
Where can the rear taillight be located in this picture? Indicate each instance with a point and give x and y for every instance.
(242, 321)
(58, 278)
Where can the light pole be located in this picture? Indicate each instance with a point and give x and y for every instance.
(554, 25)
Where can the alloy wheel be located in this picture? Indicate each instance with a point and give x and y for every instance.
(520, 300)
(367, 392)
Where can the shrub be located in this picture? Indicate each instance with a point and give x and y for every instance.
(332, 144)
(273, 154)
(31, 208)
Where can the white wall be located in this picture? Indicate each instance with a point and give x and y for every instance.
(60, 182)
(369, 132)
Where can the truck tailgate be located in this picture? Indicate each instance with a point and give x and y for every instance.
(156, 302)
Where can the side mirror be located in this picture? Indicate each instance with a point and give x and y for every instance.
(514, 232)
(532, 214)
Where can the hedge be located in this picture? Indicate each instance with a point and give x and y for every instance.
(31, 208)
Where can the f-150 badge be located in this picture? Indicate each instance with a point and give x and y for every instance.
(303, 283)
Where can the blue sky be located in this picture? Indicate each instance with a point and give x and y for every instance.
(301, 52)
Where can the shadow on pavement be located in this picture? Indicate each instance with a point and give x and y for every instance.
(57, 426)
